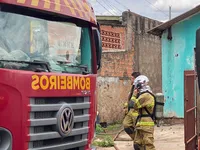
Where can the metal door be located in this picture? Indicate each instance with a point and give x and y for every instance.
(190, 110)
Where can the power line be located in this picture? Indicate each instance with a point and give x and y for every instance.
(157, 8)
(128, 24)
(109, 5)
(121, 4)
(112, 13)
(98, 12)
(122, 11)
(115, 7)
(128, 8)
(156, 1)
(105, 8)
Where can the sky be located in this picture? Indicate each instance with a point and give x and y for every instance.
(155, 9)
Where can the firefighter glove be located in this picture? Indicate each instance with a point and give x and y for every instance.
(131, 104)
(125, 105)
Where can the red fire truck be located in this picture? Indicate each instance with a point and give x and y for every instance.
(50, 51)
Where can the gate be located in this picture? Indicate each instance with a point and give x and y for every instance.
(190, 107)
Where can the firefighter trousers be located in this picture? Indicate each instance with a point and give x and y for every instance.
(144, 138)
(129, 123)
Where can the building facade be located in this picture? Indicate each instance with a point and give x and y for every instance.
(127, 47)
(178, 43)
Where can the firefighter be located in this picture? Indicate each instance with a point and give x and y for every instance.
(144, 102)
(131, 114)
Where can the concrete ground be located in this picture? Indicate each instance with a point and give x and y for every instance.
(166, 138)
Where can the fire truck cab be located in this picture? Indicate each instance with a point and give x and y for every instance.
(50, 51)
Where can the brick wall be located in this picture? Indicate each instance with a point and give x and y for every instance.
(113, 38)
(113, 81)
(116, 61)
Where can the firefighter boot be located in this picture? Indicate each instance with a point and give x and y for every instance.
(138, 147)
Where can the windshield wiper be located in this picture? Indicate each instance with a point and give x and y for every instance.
(83, 68)
(46, 64)
(43, 64)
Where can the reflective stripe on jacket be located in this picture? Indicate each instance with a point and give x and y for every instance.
(144, 100)
(134, 113)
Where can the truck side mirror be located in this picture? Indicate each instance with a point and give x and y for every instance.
(98, 45)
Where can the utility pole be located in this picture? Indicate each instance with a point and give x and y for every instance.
(170, 12)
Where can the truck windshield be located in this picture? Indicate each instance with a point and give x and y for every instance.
(64, 46)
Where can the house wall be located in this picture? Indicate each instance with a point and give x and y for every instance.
(147, 51)
(177, 56)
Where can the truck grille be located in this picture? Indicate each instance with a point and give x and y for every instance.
(43, 121)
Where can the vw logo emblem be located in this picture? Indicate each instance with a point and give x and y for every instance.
(65, 119)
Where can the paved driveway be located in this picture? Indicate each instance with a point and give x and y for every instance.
(166, 138)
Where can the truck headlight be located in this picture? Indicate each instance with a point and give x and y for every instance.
(5, 139)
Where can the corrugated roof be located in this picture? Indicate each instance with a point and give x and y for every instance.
(159, 29)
